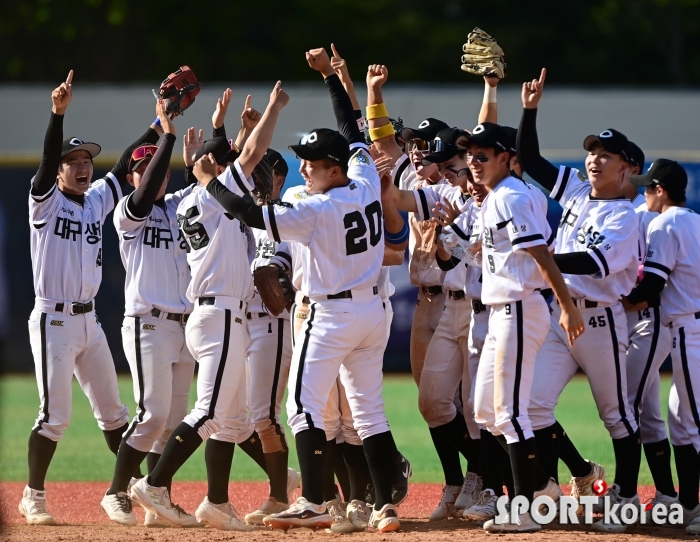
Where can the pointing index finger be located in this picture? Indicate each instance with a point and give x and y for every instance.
(248, 99)
(543, 76)
(335, 51)
(69, 79)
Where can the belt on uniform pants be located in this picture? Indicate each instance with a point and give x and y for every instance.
(75, 308)
(697, 315)
(583, 303)
(347, 294)
(478, 306)
(455, 294)
(431, 290)
(256, 315)
(182, 318)
(211, 300)
(305, 300)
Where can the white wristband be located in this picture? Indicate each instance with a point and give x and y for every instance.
(490, 94)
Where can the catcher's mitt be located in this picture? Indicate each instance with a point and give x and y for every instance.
(274, 287)
(179, 90)
(483, 56)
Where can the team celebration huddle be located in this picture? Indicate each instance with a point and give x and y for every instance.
(271, 291)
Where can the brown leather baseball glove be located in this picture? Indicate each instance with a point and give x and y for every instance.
(482, 55)
(274, 287)
(179, 90)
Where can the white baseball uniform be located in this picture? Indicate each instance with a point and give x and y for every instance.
(605, 229)
(154, 255)
(513, 218)
(673, 253)
(345, 330)
(649, 346)
(65, 335)
(217, 330)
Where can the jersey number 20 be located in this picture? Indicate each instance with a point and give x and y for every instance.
(355, 242)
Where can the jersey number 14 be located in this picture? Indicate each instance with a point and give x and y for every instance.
(355, 241)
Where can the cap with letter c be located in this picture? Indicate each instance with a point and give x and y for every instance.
(612, 141)
(72, 144)
(321, 144)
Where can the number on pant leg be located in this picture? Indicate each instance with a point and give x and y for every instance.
(492, 265)
(508, 308)
(644, 314)
(674, 342)
(269, 327)
(599, 322)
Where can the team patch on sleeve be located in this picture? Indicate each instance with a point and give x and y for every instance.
(360, 158)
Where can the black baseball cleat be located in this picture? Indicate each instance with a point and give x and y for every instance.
(399, 482)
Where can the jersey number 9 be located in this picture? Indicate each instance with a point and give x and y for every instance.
(355, 242)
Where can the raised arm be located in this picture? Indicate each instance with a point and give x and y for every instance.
(261, 137)
(190, 143)
(489, 107)
(121, 168)
(141, 201)
(250, 117)
(341, 68)
(45, 176)
(527, 144)
(380, 129)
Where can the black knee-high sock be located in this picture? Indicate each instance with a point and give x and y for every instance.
(457, 433)
(358, 471)
(180, 446)
(628, 458)
(688, 469)
(523, 461)
(449, 458)
(311, 451)
(568, 453)
(114, 438)
(253, 447)
(379, 450)
(541, 478)
(341, 470)
(492, 465)
(474, 464)
(151, 462)
(658, 456)
(41, 450)
(218, 456)
(330, 490)
(547, 441)
(128, 460)
(277, 464)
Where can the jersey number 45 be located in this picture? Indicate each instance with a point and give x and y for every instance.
(355, 241)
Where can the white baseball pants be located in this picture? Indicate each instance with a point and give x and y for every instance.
(685, 354)
(64, 345)
(426, 318)
(478, 330)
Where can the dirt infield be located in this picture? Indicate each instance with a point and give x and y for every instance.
(76, 506)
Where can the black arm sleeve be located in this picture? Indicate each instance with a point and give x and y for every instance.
(121, 168)
(51, 157)
(189, 176)
(343, 111)
(219, 132)
(576, 263)
(141, 201)
(446, 265)
(650, 286)
(529, 156)
(244, 209)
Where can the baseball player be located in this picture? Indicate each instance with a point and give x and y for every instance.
(670, 270)
(517, 267)
(66, 214)
(154, 257)
(597, 251)
(216, 332)
(345, 330)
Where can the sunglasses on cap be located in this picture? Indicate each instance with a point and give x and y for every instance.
(437, 145)
(418, 145)
(139, 153)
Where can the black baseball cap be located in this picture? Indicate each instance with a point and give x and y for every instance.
(635, 155)
(512, 134)
(322, 143)
(427, 130)
(491, 136)
(444, 146)
(277, 162)
(220, 147)
(74, 144)
(668, 174)
(611, 140)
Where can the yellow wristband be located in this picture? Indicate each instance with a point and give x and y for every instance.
(383, 131)
(376, 111)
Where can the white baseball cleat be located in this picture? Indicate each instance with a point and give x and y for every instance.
(270, 506)
(293, 482)
(525, 524)
(221, 516)
(33, 507)
(355, 520)
(612, 527)
(385, 520)
(484, 508)
(551, 490)
(157, 501)
(470, 491)
(446, 508)
(118, 508)
(301, 513)
(660, 501)
(152, 522)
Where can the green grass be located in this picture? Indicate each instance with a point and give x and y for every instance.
(83, 455)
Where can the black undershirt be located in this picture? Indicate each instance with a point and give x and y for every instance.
(241, 208)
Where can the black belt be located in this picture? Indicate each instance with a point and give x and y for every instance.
(182, 318)
(547, 292)
(455, 294)
(250, 315)
(207, 300)
(431, 290)
(697, 315)
(76, 308)
(478, 306)
(347, 294)
(587, 303)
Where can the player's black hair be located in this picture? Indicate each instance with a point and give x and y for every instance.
(328, 163)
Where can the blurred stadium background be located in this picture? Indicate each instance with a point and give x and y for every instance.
(629, 64)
